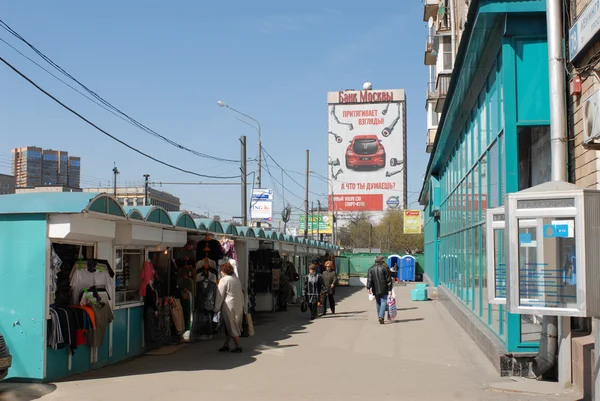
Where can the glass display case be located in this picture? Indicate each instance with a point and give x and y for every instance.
(553, 251)
(128, 268)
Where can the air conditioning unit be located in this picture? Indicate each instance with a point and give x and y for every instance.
(591, 118)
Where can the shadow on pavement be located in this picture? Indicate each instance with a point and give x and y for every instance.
(24, 392)
(406, 320)
(271, 329)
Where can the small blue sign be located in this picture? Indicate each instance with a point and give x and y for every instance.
(393, 201)
(525, 238)
(556, 231)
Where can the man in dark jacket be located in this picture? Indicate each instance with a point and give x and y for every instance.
(380, 284)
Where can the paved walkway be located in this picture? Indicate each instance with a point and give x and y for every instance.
(423, 355)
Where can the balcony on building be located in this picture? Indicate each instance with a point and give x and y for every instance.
(430, 51)
(430, 139)
(431, 9)
(441, 88)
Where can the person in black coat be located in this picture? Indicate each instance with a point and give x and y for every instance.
(380, 284)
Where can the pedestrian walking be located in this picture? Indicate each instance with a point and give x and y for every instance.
(230, 302)
(330, 280)
(380, 284)
(313, 286)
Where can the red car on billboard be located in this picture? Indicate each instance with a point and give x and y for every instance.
(365, 151)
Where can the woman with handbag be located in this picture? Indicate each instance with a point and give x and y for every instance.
(230, 302)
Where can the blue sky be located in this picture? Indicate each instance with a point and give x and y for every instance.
(167, 63)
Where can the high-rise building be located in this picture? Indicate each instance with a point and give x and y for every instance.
(74, 171)
(35, 167)
(50, 167)
(27, 166)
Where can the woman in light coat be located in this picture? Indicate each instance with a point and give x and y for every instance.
(230, 302)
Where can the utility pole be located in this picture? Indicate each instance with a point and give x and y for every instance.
(333, 216)
(115, 173)
(244, 186)
(370, 237)
(306, 195)
(319, 220)
(389, 234)
(312, 220)
(146, 177)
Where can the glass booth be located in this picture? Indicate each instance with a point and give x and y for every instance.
(553, 264)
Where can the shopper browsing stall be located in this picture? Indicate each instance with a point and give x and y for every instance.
(230, 302)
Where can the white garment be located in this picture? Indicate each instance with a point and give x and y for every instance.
(82, 278)
(230, 302)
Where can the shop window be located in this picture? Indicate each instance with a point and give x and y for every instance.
(535, 159)
(128, 269)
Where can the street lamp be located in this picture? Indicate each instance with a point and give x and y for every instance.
(258, 178)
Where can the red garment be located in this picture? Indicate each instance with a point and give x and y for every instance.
(147, 276)
(79, 338)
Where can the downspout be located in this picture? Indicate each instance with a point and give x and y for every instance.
(549, 338)
(453, 31)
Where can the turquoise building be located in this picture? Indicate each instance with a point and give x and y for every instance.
(33, 224)
(492, 139)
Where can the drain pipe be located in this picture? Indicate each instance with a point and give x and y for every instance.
(556, 332)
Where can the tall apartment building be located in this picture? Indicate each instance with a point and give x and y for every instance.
(445, 21)
(73, 171)
(35, 167)
(27, 166)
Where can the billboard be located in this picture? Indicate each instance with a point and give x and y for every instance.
(367, 152)
(261, 205)
(321, 223)
(412, 222)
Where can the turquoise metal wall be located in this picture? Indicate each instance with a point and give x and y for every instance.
(22, 292)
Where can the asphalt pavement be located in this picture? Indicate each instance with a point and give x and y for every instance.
(422, 355)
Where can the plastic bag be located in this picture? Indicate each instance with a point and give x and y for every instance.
(371, 297)
(392, 310)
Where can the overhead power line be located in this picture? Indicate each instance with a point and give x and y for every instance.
(105, 132)
(103, 103)
(287, 174)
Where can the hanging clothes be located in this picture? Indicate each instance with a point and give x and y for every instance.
(104, 315)
(55, 268)
(147, 276)
(210, 248)
(204, 304)
(87, 274)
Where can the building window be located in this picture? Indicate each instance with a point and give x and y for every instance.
(446, 53)
(535, 159)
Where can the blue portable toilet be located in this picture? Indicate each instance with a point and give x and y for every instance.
(396, 260)
(408, 268)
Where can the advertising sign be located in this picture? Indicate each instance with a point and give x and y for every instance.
(321, 223)
(412, 222)
(261, 205)
(367, 136)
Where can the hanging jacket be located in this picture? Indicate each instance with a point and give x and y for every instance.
(147, 276)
